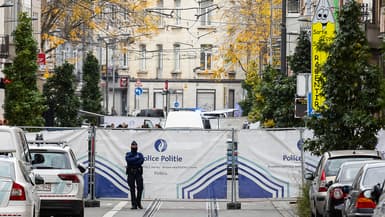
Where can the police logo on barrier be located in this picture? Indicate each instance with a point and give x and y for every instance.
(160, 145)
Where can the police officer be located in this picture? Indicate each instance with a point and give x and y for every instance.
(134, 171)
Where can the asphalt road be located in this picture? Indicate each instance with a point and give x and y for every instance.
(159, 208)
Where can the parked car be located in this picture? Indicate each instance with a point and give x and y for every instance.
(326, 171)
(360, 202)
(18, 196)
(14, 143)
(63, 189)
(336, 193)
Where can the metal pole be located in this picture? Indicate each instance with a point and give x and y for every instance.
(113, 81)
(302, 156)
(271, 34)
(91, 202)
(233, 204)
(283, 39)
(128, 95)
(107, 78)
(233, 190)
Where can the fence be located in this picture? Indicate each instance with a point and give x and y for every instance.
(191, 164)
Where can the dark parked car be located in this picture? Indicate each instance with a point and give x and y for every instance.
(326, 171)
(360, 202)
(336, 193)
(378, 194)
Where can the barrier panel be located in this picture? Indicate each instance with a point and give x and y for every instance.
(191, 164)
(270, 163)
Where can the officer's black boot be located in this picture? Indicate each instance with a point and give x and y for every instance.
(133, 199)
(139, 199)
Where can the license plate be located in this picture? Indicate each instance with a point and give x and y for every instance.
(44, 187)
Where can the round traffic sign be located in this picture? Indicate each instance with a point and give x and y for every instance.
(138, 91)
(176, 104)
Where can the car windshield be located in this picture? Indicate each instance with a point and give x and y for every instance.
(348, 173)
(374, 176)
(7, 170)
(52, 160)
(334, 164)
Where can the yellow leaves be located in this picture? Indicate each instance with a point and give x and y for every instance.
(98, 10)
(74, 35)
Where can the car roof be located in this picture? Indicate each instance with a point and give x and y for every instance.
(48, 145)
(342, 153)
(7, 158)
(375, 164)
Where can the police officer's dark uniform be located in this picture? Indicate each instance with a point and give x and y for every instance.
(134, 172)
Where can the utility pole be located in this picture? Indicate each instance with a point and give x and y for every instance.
(271, 34)
(283, 39)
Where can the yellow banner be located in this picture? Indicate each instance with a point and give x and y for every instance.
(326, 32)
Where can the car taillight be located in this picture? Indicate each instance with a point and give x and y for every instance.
(69, 177)
(364, 202)
(17, 192)
(322, 185)
(337, 193)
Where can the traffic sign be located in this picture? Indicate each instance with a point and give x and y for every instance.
(138, 91)
(176, 104)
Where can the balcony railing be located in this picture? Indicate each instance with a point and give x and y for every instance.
(4, 46)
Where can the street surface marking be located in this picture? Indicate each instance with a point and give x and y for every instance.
(116, 209)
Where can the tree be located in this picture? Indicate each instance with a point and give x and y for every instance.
(351, 86)
(72, 21)
(300, 61)
(24, 104)
(251, 27)
(275, 99)
(62, 102)
(90, 94)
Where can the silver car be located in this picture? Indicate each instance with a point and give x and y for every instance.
(63, 189)
(326, 171)
(18, 196)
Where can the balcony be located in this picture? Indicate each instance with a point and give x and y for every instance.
(4, 46)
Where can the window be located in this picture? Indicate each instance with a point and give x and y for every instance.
(293, 6)
(367, 11)
(206, 99)
(206, 6)
(206, 53)
(159, 64)
(176, 57)
(177, 12)
(142, 57)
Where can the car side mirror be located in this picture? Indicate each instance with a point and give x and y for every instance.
(329, 184)
(309, 176)
(376, 192)
(81, 167)
(346, 189)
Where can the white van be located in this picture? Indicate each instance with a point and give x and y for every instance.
(183, 120)
(13, 143)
